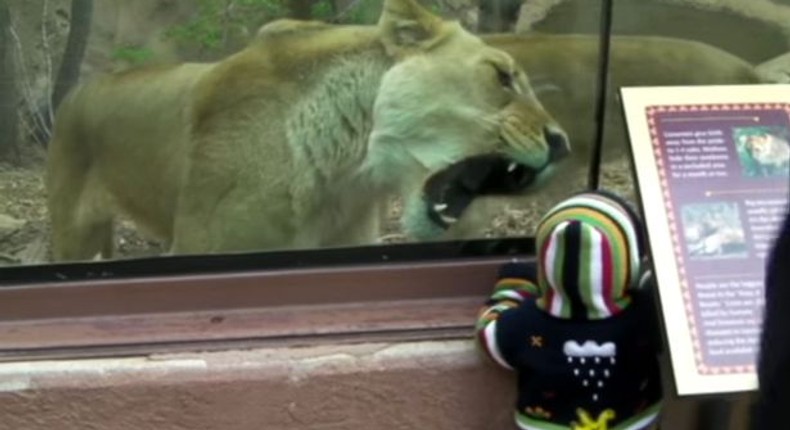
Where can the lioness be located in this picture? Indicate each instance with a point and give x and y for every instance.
(295, 141)
(563, 71)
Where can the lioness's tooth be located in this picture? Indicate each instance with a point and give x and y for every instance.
(438, 207)
(511, 167)
(448, 219)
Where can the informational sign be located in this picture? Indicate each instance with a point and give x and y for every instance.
(713, 171)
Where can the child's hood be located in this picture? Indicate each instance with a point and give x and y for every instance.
(589, 252)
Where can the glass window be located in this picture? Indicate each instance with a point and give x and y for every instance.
(666, 42)
(159, 127)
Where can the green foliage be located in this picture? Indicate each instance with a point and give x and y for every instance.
(218, 23)
(362, 12)
(133, 55)
(368, 11)
(322, 10)
(222, 25)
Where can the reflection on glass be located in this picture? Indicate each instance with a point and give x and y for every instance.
(382, 125)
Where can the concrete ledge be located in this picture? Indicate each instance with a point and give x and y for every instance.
(421, 385)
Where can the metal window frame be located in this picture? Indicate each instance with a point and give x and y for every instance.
(199, 312)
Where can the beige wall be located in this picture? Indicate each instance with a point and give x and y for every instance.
(423, 385)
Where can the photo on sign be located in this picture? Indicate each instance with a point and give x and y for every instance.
(763, 151)
(713, 230)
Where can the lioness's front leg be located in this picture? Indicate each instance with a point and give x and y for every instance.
(361, 227)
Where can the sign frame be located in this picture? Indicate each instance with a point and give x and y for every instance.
(641, 106)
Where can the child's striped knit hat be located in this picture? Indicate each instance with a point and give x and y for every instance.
(589, 256)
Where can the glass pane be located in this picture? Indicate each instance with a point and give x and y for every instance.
(149, 127)
(697, 43)
(667, 42)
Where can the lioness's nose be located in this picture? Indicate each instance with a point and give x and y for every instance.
(559, 146)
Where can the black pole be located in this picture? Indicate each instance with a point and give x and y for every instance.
(603, 91)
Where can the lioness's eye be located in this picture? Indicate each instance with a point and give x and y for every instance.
(505, 78)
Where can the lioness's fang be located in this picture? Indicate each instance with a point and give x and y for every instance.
(448, 219)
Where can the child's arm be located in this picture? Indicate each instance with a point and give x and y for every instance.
(513, 286)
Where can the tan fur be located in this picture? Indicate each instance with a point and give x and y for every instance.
(563, 72)
(294, 142)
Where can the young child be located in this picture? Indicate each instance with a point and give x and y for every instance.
(577, 326)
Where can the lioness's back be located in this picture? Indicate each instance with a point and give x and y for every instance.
(124, 141)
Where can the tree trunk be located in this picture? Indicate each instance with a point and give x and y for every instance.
(79, 31)
(8, 114)
(301, 9)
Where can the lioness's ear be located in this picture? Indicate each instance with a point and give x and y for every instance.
(406, 26)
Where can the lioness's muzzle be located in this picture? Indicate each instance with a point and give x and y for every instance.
(449, 192)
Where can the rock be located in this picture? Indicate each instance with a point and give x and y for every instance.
(725, 22)
(8, 223)
(776, 70)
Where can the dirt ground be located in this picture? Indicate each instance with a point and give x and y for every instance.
(24, 228)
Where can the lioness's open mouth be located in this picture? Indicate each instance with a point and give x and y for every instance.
(450, 191)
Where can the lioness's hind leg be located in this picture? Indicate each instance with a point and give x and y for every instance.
(77, 240)
(82, 226)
